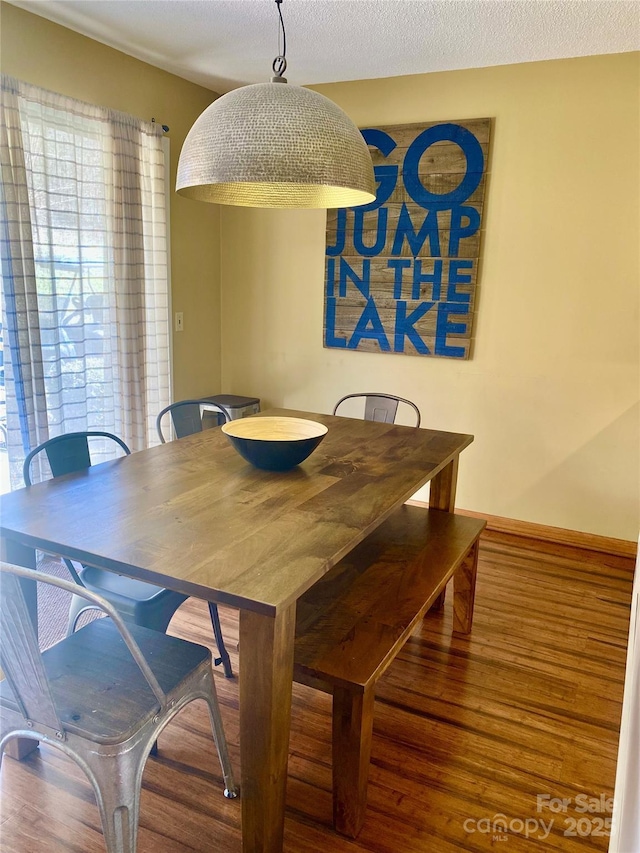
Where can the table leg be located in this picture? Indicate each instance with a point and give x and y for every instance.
(21, 555)
(442, 491)
(266, 673)
(442, 495)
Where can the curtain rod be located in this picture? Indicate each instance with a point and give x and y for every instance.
(165, 127)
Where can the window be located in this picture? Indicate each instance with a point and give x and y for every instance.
(84, 262)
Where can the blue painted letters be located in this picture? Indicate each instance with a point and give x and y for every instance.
(401, 271)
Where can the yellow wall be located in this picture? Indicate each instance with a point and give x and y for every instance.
(51, 56)
(551, 393)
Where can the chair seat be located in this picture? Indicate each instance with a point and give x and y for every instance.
(120, 698)
(114, 586)
(136, 601)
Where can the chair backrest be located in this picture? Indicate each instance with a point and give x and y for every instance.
(69, 452)
(20, 657)
(380, 407)
(187, 417)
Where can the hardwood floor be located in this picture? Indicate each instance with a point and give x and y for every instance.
(467, 731)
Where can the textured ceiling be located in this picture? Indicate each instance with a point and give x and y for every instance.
(223, 44)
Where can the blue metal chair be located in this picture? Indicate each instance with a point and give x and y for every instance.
(380, 407)
(101, 695)
(189, 416)
(137, 602)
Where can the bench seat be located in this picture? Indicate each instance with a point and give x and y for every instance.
(353, 622)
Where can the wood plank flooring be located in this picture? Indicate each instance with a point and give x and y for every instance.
(468, 732)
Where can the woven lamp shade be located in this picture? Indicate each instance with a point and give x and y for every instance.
(276, 145)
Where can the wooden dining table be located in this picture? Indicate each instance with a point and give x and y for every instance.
(193, 516)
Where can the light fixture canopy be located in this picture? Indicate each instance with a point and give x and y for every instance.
(276, 145)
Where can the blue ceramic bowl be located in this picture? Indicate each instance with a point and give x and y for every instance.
(275, 444)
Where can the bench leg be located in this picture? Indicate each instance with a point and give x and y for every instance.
(464, 591)
(352, 731)
(438, 604)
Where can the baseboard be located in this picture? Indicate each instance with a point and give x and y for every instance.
(557, 535)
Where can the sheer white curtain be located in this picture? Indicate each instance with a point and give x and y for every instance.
(84, 267)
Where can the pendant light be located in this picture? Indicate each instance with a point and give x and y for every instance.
(276, 145)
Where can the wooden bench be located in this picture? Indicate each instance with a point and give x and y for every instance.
(354, 621)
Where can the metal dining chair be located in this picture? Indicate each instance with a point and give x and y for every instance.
(189, 416)
(101, 695)
(137, 601)
(380, 407)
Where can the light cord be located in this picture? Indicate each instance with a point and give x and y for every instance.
(280, 62)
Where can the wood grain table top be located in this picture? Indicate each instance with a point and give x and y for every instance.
(193, 516)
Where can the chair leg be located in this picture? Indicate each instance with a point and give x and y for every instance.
(230, 787)
(224, 658)
(76, 609)
(117, 781)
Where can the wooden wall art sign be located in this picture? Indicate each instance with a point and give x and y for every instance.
(402, 272)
